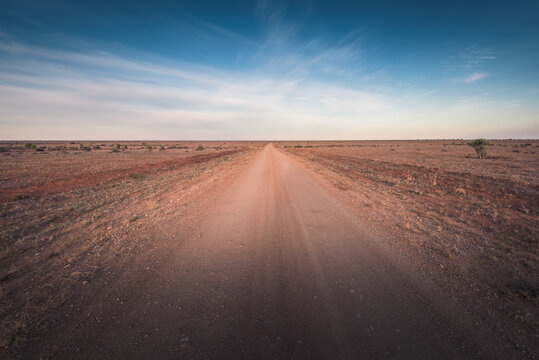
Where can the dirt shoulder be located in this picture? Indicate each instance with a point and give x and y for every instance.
(469, 225)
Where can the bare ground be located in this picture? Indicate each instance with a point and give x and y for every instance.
(61, 234)
(340, 250)
(473, 222)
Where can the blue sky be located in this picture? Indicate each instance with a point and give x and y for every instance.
(268, 69)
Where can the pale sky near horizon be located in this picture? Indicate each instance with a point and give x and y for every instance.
(242, 70)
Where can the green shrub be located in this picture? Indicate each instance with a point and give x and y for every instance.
(199, 148)
(30, 146)
(480, 146)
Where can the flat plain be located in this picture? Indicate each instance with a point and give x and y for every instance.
(305, 249)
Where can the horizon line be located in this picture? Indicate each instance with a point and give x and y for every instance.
(261, 140)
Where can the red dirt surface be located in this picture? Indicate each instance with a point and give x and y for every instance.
(345, 249)
(76, 181)
(78, 168)
(475, 219)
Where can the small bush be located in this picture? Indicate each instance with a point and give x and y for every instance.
(199, 148)
(480, 146)
(298, 146)
(22, 197)
(118, 146)
(162, 148)
(97, 147)
(30, 146)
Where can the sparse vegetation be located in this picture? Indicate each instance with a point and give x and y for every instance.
(118, 146)
(438, 206)
(199, 148)
(30, 146)
(480, 146)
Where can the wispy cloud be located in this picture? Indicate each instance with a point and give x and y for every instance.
(47, 93)
(289, 86)
(473, 60)
(474, 77)
(278, 29)
(282, 51)
(69, 89)
(472, 104)
(200, 23)
(512, 103)
(475, 57)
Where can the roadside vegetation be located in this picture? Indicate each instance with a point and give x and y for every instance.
(480, 147)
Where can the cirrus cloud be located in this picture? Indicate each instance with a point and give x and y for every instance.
(474, 77)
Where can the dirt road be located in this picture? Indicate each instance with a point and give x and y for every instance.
(277, 268)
